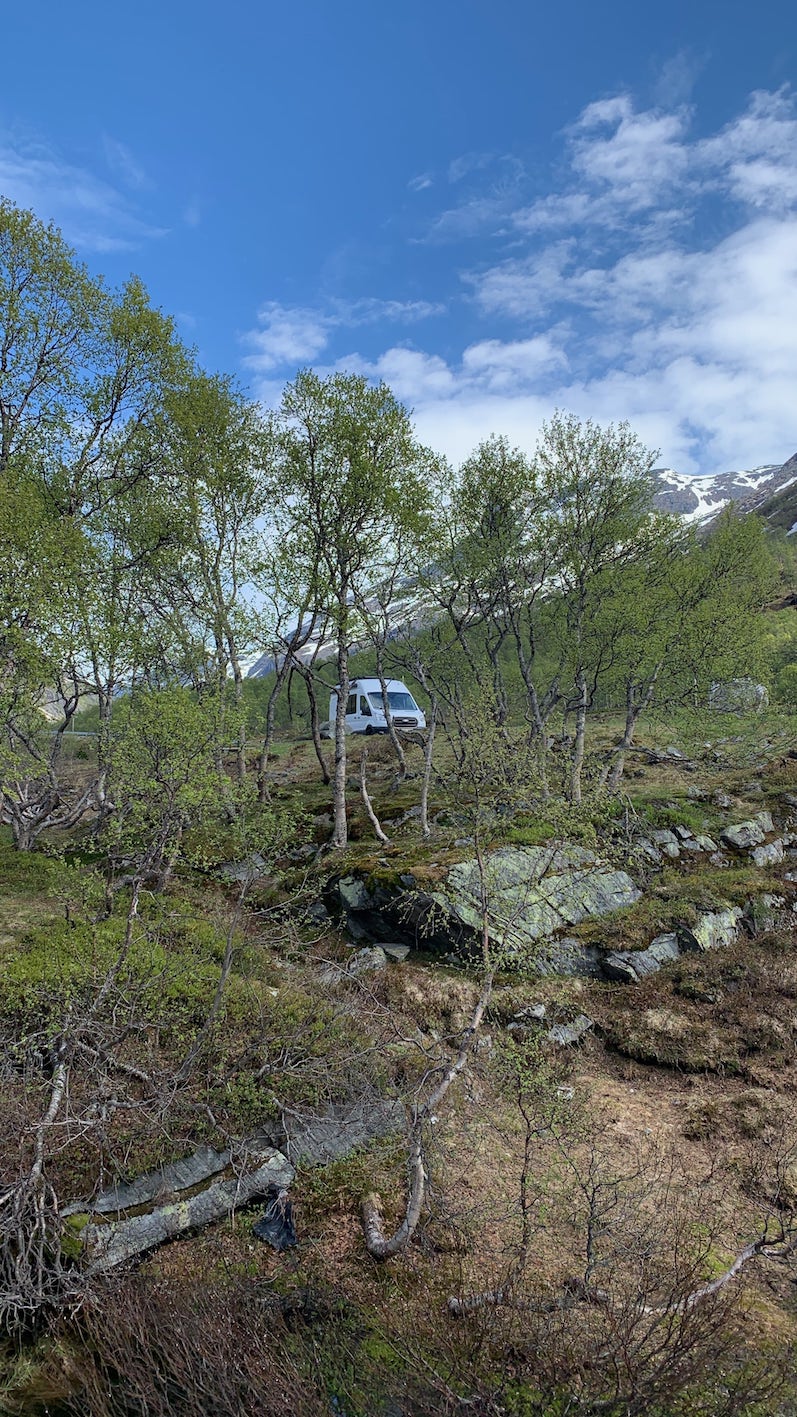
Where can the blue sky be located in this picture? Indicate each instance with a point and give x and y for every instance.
(500, 208)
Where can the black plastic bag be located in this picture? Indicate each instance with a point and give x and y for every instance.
(275, 1225)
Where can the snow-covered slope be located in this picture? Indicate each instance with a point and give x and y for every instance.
(698, 499)
(778, 506)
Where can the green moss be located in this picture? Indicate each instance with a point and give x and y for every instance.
(72, 1235)
(536, 835)
(172, 975)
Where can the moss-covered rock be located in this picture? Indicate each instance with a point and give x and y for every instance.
(534, 892)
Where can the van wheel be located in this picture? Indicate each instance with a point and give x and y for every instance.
(368, 730)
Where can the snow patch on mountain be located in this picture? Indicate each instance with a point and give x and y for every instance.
(699, 499)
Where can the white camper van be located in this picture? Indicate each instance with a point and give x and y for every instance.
(365, 709)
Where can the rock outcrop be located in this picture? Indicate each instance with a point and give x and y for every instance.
(533, 893)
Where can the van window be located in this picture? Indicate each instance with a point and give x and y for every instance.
(351, 703)
(364, 707)
(399, 702)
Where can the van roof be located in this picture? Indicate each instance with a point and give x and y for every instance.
(372, 686)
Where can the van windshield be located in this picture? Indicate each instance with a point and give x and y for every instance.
(399, 703)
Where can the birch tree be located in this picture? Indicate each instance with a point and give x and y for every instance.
(350, 475)
(598, 487)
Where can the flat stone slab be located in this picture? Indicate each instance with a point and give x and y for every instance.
(396, 953)
(315, 1141)
(113, 1243)
(632, 966)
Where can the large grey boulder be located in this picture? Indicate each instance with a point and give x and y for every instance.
(770, 855)
(566, 1035)
(533, 892)
(760, 913)
(738, 696)
(564, 954)
(363, 962)
(743, 836)
(705, 843)
(712, 931)
(353, 894)
(249, 869)
(366, 960)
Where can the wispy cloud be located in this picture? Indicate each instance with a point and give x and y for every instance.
(492, 189)
(654, 279)
(123, 165)
(287, 336)
(677, 78)
(467, 163)
(93, 213)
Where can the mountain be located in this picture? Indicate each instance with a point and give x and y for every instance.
(769, 490)
(779, 506)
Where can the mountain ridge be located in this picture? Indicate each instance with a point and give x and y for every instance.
(770, 490)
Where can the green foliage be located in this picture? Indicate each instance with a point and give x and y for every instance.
(34, 872)
(536, 835)
(786, 685)
(165, 777)
(686, 814)
(56, 974)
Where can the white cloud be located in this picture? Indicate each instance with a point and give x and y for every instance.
(410, 373)
(637, 157)
(288, 336)
(369, 310)
(524, 286)
(755, 156)
(694, 340)
(421, 182)
(654, 281)
(92, 214)
(677, 79)
(285, 336)
(499, 366)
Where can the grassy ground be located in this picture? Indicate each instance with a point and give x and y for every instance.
(681, 1104)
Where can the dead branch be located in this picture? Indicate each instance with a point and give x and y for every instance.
(578, 1292)
(377, 1244)
(374, 820)
(31, 1272)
